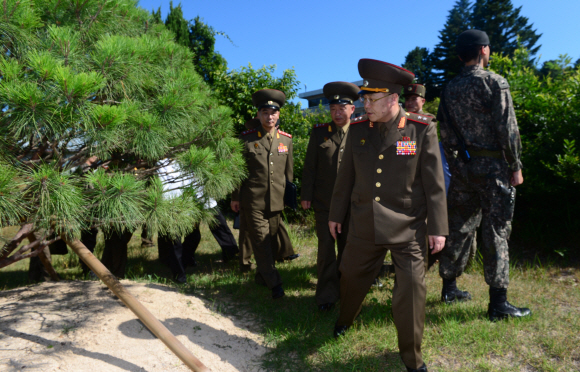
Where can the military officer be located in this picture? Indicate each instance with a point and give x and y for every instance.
(268, 155)
(476, 109)
(323, 158)
(285, 249)
(392, 179)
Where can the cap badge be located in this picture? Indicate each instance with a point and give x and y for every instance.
(365, 83)
(363, 141)
(336, 97)
(270, 102)
(410, 89)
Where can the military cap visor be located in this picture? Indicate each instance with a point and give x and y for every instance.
(472, 37)
(340, 92)
(414, 89)
(379, 76)
(268, 98)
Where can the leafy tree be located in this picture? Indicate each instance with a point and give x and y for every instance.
(208, 63)
(445, 58)
(548, 113)
(96, 98)
(419, 61)
(507, 30)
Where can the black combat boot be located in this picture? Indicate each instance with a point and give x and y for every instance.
(277, 292)
(339, 330)
(423, 368)
(499, 308)
(450, 293)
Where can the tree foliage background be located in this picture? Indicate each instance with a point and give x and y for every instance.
(96, 97)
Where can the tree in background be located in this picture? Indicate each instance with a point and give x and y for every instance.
(548, 113)
(506, 28)
(419, 61)
(96, 98)
(199, 38)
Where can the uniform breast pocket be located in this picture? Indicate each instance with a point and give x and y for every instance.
(326, 144)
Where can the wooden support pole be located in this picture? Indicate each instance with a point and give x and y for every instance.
(136, 307)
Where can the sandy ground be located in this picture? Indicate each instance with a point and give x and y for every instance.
(82, 326)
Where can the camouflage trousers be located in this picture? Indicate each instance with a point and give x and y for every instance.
(477, 194)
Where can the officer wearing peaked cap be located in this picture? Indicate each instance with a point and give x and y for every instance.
(323, 158)
(414, 95)
(392, 179)
(268, 155)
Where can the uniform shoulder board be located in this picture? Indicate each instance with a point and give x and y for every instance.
(503, 83)
(422, 119)
(285, 134)
(321, 125)
(357, 121)
(249, 131)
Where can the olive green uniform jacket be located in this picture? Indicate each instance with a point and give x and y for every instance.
(269, 167)
(391, 196)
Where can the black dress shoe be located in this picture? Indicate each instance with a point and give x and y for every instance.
(423, 368)
(326, 307)
(450, 293)
(499, 308)
(277, 292)
(181, 278)
(339, 331)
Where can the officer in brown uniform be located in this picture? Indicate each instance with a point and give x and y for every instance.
(285, 249)
(323, 158)
(391, 177)
(268, 155)
(414, 95)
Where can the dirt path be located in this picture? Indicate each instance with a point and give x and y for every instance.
(82, 326)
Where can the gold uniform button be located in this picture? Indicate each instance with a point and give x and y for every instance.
(379, 170)
(378, 184)
(381, 156)
(378, 199)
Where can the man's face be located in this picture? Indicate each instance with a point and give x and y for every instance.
(414, 103)
(341, 114)
(268, 117)
(379, 108)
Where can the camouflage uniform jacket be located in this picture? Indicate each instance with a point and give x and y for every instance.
(323, 157)
(393, 185)
(481, 107)
(269, 167)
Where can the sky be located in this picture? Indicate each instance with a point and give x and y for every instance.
(324, 40)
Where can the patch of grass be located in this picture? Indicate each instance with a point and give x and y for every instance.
(457, 337)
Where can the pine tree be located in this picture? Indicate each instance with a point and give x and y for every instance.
(504, 26)
(419, 61)
(177, 24)
(445, 58)
(96, 98)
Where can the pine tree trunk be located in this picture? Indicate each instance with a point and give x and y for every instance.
(136, 307)
(45, 261)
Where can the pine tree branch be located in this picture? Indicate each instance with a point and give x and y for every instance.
(39, 245)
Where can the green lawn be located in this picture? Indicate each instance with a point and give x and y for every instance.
(457, 337)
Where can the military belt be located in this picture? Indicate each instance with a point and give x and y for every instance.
(488, 153)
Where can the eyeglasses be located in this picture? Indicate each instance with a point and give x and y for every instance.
(370, 100)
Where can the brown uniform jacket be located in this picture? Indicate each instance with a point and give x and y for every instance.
(323, 158)
(391, 195)
(269, 166)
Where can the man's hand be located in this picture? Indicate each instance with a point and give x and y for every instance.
(235, 206)
(305, 204)
(517, 178)
(334, 228)
(436, 243)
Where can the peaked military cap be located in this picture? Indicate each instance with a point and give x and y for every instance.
(340, 92)
(414, 89)
(270, 98)
(471, 38)
(379, 76)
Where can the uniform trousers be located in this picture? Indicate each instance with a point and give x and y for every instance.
(284, 245)
(115, 252)
(262, 228)
(361, 263)
(327, 260)
(475, 197)
(178, 255)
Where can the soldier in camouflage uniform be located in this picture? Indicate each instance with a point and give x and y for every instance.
(323, 158)
(476, 108)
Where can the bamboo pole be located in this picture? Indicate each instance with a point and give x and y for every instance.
(136, 307)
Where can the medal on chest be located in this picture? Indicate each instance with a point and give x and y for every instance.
(282, 148)
(406, 146)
